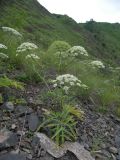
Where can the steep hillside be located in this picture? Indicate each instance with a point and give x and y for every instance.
(108, 38)
(38, 24)
(54, 93)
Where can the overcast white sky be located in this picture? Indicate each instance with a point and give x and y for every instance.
(84, 10)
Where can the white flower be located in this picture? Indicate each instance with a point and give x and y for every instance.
(78, 84)
(61, 83)
(65, 88)
(55, 85)
(26, 46)
(3, 46)
(72, 83)
(98, 64)
(66, 81)
(59, 78)
(79, 81)
(76, 54)
(117, 68)
(32, 56)
(77, 50)
(4, 56)
(13, 31)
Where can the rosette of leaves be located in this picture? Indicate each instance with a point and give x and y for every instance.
(62, 124)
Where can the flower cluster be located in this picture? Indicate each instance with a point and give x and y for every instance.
(32, 56)
(117, 68)
(26, 46)
(97, 64)
(76, 51)
(3, 56)
(11, 30)
(3, 46)
(67, 81)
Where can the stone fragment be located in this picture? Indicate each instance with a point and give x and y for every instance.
(7, 139)
(33, 122)
(57, 152)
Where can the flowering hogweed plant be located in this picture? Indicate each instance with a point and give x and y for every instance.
(32, 56)
(67, 81)
(2, 46)
(26, 46)
(3, 56)
(97, 64)
(76, 51)
(11, 30)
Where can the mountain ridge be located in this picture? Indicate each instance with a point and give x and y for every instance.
(39, 25)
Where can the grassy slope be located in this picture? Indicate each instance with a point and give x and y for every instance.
(37, 24)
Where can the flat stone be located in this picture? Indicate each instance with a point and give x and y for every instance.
(47, 157)
(33, 122)
(7, 139)
(13, 126)
(10, 156)
(78, 150)
(100, 157)
(57, 151)
(113, 150)
(8, 106)
(118, 156)
(117, 140)
(50, 146)
(22, 110)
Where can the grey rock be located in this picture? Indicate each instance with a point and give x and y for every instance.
(7, 139)
(113, 150)
(33, 122)
(19, 133)
(37, 148)
(118, 120)
(78, 150)
(35, 102)
(26, 150)
(103, 145)
(117, 140)
(47, 157)
(29, 156)
(57, 151)
(100, 157)
(118, 156)
(35, 141)
(113, 157)
(10, 156)
(22, 110)
(8, 106)
(13, 126)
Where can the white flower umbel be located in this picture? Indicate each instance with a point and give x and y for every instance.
(76, 51)
(3, 56)
(11, 30)
(67, 81)
(97, 64)
(3, 46)
(26, 46)
(32, 56)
